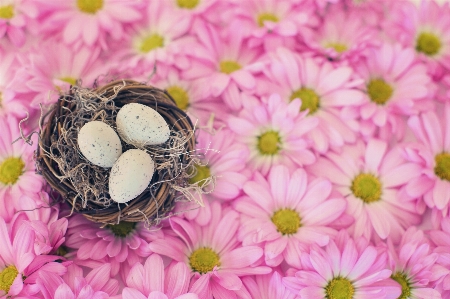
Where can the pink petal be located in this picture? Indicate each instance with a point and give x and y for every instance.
(374, 153)
(441, 193)
(64, 292)
(228, 280)
(241, 257)
(154, 273)
(129, 293)
(244, 79)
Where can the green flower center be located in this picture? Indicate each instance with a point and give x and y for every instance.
(379, 91)
(90, 6)
(203, 260)
(403, 280)
(189, 4)
(428, 43)
(442, 168)
(310, 99)
(202, 173)
(7, 12)
(180, 96)
(122, 229)
(287, 221)
(151, 42)
(62, 250)
(10, 170)
(269, 143)
(7, 277)
(229, 66)
(70, 80)
(338, 47)
(266, 16)
(366, 187)
(339, 288)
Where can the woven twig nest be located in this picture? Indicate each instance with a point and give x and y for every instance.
(84, 185)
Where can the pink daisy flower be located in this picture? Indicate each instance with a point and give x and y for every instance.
(326, 92)
(287, 211)
(216, 258)
(89, 22)
(274, 133)
(371, 177)
(433, 158)
(425, 28)
(151, 280)
(17, 168)
(345, 268)
(396, 85)
(74, 285)
(14, 16)
(413, 265)
(223, 65)
(267, 286)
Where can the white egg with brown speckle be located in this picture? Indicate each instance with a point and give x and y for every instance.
(130, 175)
(141, 125)
(99, 143)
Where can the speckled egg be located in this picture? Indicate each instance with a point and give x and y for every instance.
(99, 143)
(130, 175)
(140, 125)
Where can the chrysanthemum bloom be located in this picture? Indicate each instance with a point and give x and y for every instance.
(17, 168)
(326, 93)
(267, 286)
(426, 28)
(151, 280)
(370, 177)
(344, 269)
(19, 265)
(88, 22)
(216, 259)
(287, 211)
(222, 64)
(413, 265)
(440, 238)
(74, 285)
(274, 132)
(433, 157)
(14, 15)
(396, 85)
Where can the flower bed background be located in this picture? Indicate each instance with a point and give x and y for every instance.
(326, 125)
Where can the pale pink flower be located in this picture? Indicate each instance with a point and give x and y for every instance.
(97, 284)
(413, 265)
(88, 22)
(14, 18)
(287, 212)
(327, 92)
(345, 268)
(396, 85)
(274, 132)
(223, 65)
(267, 286)
(216, 259)
(371, 177)
(151, 280)
(17, 167)
(433, 157)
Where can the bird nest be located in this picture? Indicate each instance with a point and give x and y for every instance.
(84, 185)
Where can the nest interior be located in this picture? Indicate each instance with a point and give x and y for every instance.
(84, 185)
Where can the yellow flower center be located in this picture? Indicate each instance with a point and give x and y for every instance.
(10, 170)
(180, 96)
(151, 42)
(7, 277)
(338, 47)
(366, 187)
(403, 280)
(287, 221)
(266, 16)
(189, 4)
(229, 66)
(90, 6)
(122, 229)
(269, 143)
(442, 168)
(428, 43)
(70, 80)
(7, 12)
(339, 288)
(203, 260)
(310, 99)
(379, 91)
(202, 173)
